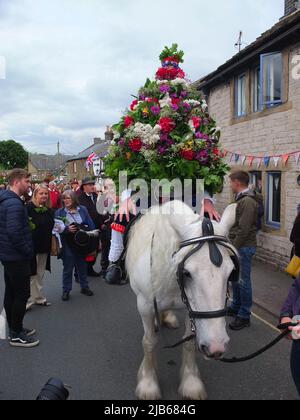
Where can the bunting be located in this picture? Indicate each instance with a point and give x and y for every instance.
(265, 160)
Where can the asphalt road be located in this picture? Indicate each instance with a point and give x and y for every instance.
(94, 345)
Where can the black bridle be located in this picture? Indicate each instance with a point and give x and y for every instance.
(216, 258)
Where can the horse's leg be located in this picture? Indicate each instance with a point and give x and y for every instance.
(148, 386)
(191, 387)
(169, 319)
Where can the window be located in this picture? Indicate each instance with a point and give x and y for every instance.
(256, 179)
(274, 199)
(75, 167)
(256, 95)
(240, 96)
(271, 79)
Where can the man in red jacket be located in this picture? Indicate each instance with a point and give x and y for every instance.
(54, 196)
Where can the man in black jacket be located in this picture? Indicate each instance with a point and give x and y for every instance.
(16, 252)
(88, 198)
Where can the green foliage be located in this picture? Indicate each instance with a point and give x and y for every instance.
(172, 52)
(12, 155)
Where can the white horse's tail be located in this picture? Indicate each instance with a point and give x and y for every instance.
(3, 332)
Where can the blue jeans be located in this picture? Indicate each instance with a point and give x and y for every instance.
(242, 291)
(295, 364)
(70, 261)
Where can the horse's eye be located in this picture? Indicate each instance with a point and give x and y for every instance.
(187, 274)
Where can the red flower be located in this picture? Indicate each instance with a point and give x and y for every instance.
(197, 122)
(135, 144)
(175, 59)
(188, 154)
(134, 104)
(167, 124)
(216, 152)
(176, 101)
(180, 74)
(128, 121)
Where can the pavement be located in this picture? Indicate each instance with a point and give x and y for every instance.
(270, 288)
(94, 345)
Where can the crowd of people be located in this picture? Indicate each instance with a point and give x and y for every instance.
(32, 216)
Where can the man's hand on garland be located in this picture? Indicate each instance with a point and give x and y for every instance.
(126, 208)
(210, 209)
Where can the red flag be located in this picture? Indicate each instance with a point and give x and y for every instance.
(285, 159)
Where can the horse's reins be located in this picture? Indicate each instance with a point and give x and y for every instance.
(217, 259)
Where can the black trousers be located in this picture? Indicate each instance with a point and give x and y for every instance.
(295, 364)
(17, 292)
(105, 245)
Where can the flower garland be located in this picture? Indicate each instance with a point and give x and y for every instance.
(167, 133)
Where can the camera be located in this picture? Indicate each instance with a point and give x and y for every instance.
(54, 390)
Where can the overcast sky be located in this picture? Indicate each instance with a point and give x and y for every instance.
(71, 65)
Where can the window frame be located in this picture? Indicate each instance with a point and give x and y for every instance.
(237, 97)
(270, 104)
(256, 89)
(269, 222)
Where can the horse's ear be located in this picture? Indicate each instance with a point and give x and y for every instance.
(182, 218)
(228, 219)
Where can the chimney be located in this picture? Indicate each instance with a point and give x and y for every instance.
(291, 6)
(109, 135)
(98, 140)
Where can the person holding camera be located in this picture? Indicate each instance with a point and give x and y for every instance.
(75, 218)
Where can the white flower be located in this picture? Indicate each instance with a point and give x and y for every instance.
(192, 102)
(113, 143)
(204, 105)
(166, 101)
(179, 81)
(148, 134)
(116, 134)
(192, 126)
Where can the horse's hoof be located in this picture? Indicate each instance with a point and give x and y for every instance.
(193, 389)
(148, 391)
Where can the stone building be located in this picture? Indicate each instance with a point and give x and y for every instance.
(42, 166)
(255, 98)
(76, 166)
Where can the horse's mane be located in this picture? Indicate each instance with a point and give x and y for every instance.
(157, 234)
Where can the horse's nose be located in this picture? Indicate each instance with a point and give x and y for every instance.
(212, 355)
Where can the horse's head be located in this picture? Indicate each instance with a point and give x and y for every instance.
(205, 283)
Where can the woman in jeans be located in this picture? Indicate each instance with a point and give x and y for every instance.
(72, 214)
(290, 309)
(42, 221)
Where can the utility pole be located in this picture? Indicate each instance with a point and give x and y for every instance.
(58, 148)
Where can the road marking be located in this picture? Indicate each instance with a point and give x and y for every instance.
(266, 322)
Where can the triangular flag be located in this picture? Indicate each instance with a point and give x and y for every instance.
(297, 157)
(251, 159)
(276, 160)
(231, 157)
(259, 161)
(267, 161)
(285, 159)
(236, 158)
(243, 157)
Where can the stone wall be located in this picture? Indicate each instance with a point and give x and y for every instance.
(264, 134)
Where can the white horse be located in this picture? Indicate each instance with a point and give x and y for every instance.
(159, 235)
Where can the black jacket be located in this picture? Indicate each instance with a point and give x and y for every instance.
(42, 234)
(90, 204)
(15, 236)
